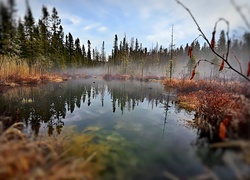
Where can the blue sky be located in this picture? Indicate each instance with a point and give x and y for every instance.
(150, 21)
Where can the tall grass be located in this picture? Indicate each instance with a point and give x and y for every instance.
(15, 70)
(12, 66)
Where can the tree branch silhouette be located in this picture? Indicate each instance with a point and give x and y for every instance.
(225, 59)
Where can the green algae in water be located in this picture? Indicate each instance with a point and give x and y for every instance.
(113, 154)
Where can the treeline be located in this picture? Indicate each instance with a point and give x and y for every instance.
(43, 46)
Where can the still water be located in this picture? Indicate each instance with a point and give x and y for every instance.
(135, 128)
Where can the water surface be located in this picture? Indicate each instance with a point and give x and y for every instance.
(136, 128)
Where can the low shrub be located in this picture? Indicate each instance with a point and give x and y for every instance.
(223, 109)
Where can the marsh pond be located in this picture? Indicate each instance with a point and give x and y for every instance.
(135, 128)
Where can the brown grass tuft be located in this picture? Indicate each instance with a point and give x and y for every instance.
(23, 158)
(215, 103)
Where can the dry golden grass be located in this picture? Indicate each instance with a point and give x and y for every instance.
(15, 71)
(23, 158)
(12, 66)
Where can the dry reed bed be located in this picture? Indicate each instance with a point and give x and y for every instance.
(23, 158)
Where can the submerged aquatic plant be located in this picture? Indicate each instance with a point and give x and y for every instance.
(112, 152)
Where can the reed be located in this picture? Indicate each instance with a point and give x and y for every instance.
(12, 66)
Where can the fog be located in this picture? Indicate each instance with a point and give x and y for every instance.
(180, 69)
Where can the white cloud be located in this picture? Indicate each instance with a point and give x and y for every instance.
(102, 29)
(90, 26)
(87, 27)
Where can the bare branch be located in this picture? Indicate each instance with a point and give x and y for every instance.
(227, 33)
(215, 64)
(237, 61)
(211, 47)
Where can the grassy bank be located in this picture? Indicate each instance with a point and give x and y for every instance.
(221, 108)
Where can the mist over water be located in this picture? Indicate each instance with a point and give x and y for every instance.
(204, 70)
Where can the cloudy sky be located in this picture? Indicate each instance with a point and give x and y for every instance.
(150, 21)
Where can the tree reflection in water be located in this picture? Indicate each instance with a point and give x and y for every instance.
(48, 104)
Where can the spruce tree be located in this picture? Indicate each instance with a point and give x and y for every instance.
(44, 31)
(222, 43)
(89, 53)
(70, 49)
(103, 55)
(7, 29)
(55, 38)
(116, 49)
(84, 55)
(78, 53)
(29, 25)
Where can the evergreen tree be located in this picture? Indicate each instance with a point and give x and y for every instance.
(116, 49)
(84, 55)
(70, 49)
(186, 49)
(222, 43)
(38, 53)
(181, 52)
(93, 55)
(21, 38)
(8, 39)
(246, 47)
(196, 49)
(78, 52)
(66, 51)
(44, 31)
(103, 55)
(124, 43)
(89, 53)
(96, 55)
(55, 21)
(30, 43)
(56, 34)
(136, 46)
(246, 41)
(61, 48)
